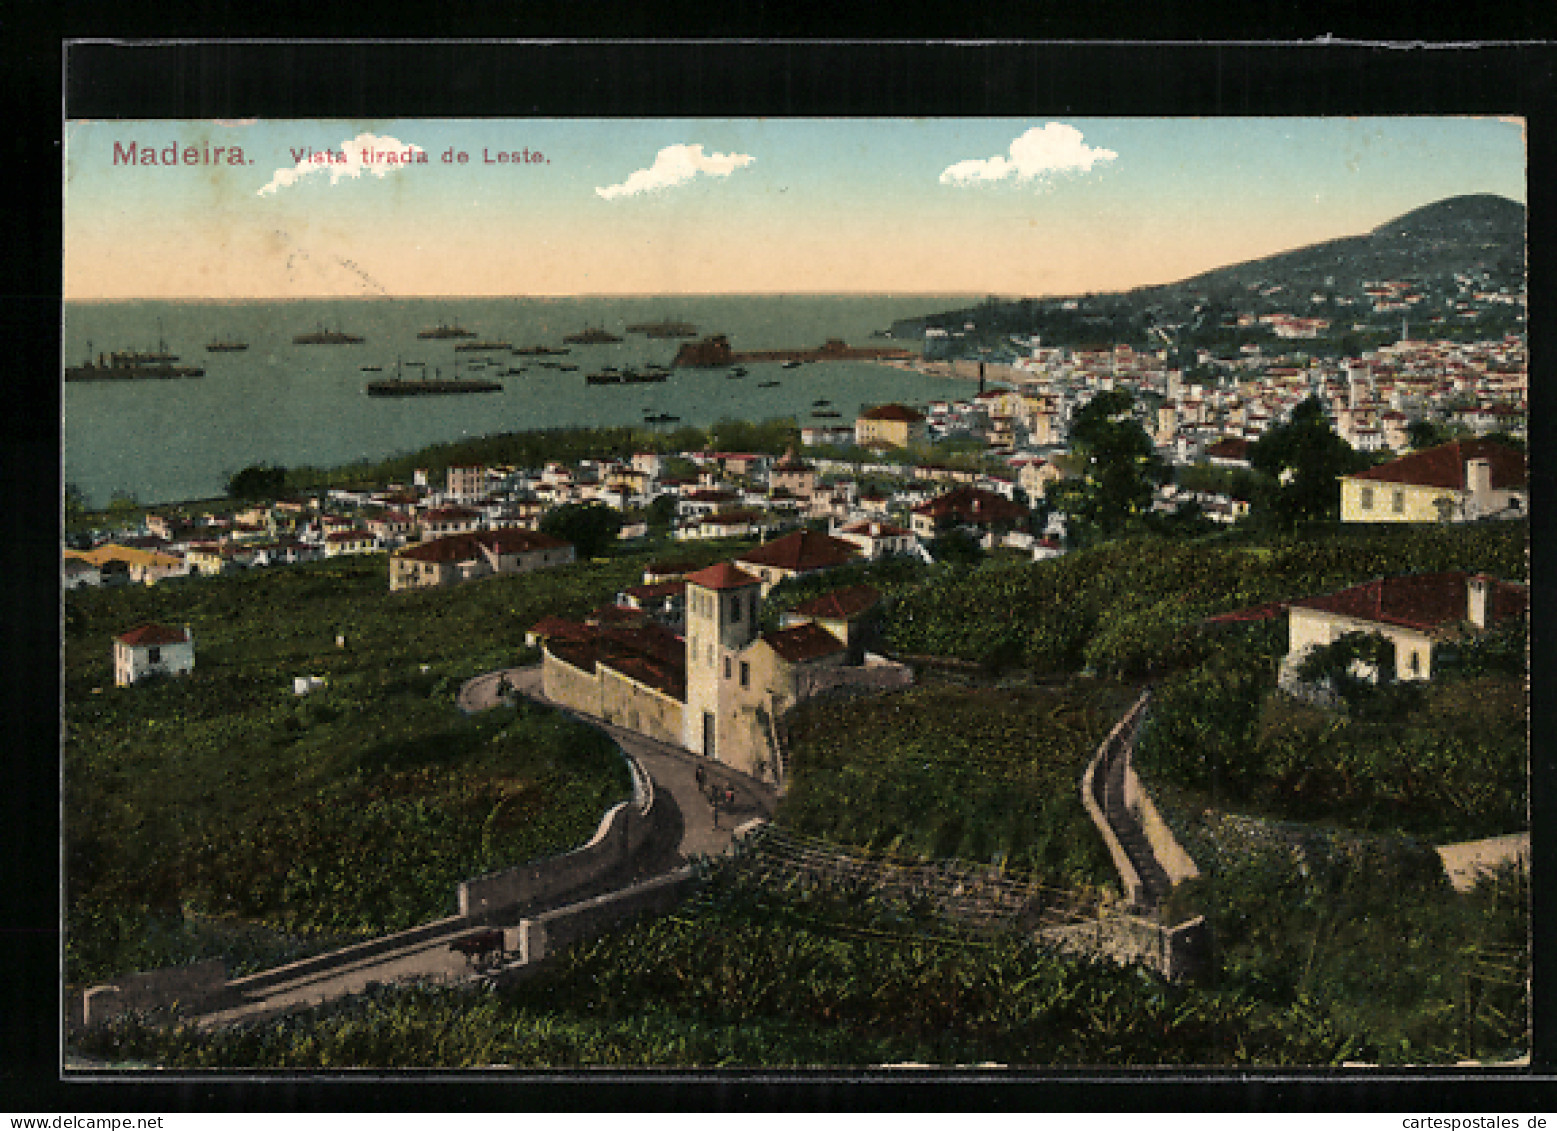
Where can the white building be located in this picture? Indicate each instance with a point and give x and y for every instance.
(152, 650)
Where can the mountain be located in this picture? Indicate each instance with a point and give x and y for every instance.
(1464, 234)
(1444, 253)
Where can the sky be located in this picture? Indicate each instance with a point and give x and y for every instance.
(825, 206)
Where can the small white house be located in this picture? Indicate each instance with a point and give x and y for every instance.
(152, 650)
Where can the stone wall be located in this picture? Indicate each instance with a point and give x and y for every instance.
(626, 703)
(544, 935)
(569, 687)
(181, 988)
(1175, 861)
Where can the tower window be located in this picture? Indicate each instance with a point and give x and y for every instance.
(745, 674)
(1365, 499)
(735, 609)
(1398, 503)
(727, 667)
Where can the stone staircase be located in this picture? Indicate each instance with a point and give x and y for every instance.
(1154, 881)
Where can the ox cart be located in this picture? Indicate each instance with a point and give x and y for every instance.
(482, 949)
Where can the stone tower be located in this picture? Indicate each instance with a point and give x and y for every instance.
(721, 609)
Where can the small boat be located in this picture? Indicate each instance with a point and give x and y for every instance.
(446, 330)
(768, 384)
(372, 369)
(591, 336)
(793, 364)
(823, 403)
(323, 337)
(537, 351)
(664, 329)
(470, 347)
(226, 345)
(568, 368)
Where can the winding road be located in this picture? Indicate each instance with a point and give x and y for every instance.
(683, 830)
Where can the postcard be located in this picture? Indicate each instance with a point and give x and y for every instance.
(857, 593)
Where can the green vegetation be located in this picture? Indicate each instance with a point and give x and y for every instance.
(1365, 932)
(538, 447)
(591, 527)
(220, 807)
(750, 975)
(938, 771)
(260, 481)
(1446, 760)
(1136, 605)
(1299, 462)
(1118, 467)
(1317, 971)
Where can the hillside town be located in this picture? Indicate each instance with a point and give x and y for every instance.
(983, 462)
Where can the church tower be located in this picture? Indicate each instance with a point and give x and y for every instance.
(721, 610)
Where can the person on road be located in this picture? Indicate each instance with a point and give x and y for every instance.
(714, 801)
(702, 778)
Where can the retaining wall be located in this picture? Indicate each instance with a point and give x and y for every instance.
(545, 934)
(1175, 861)
(1174, 952)
(1092, 799)
(181, 988)
(621, 833)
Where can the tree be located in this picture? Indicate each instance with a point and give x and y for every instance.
(1425, 434)
(1117, 464)
(1360, 668)
(75, 504)
(258, 482)
(661, 512)
(1301, 462)
(591, 527)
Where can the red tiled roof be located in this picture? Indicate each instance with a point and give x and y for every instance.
(731, 517)
(1229, 448)
(970, 504)
(615, 615)
(804, 642)
(556, 628)
(1419, 600)
(153, 634)
(648, 653)
(466, 547)
(840, 604)
(802, 551)
(723, 576)
(673, 588)
(1444, 466)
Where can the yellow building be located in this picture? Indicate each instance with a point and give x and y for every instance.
(1415, 612)
(890, 426)
(1456, 482)
(719, 690)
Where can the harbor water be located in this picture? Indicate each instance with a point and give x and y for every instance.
(292, 405)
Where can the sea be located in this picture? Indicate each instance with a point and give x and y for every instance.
(289, 405)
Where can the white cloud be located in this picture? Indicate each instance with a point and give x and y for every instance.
(1038, 154)
(676, 165)
(365, 153)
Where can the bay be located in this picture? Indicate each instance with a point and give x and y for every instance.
(305, 405)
